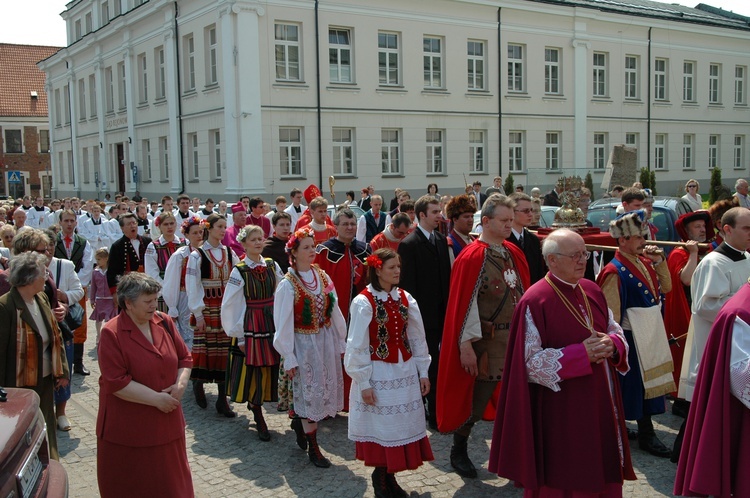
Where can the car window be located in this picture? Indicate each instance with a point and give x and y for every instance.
(601, 217)
(660, 218)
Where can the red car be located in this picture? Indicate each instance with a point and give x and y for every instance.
(25, 467)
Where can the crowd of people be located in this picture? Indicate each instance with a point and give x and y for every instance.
(408, 317)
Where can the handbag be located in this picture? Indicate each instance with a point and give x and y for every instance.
(74, 318)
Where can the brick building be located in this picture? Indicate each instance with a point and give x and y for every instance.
(24, 122)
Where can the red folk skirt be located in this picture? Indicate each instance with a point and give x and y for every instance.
(396, 458)
(210, 348)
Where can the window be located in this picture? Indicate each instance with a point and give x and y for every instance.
(631, 140)
(435, 146)
(740, 94)
(688, 81)
(713, 151)
(85, 161)
(388, 58)
(552, 71)
(82, 99)
(600, 74)
(390, 148)
(161, 80)
(109, 89)
(105, 12)
(687, 151)
(61, 166)
(660, 79)
(290, 151)
(739, 141)
(58, 114)
(66, 104)
(164, 156)
(118, 8)
(143, 78)
(214, 137)
(631, 77)
(600, 150)
(212, 61)
(71, 172)
(87, 22)
(660, 151)
(122, 89)
(78, 29)
(340, 55)
(44, 141)
(515, 150)
(92, 95)
(476, 151)
(475, 54)
(95, 151)
(714, 83)
(515, 68)
(343, 147)
(193, 158)
(552, 147)
(287, 52)
(13, 141)
(433, 62)
(189, 48)
(146, 166)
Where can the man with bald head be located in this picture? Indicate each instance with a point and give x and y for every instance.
(564, 353)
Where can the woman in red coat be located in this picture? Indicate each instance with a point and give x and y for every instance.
(145, 368)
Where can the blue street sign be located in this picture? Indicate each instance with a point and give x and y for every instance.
(14, 177)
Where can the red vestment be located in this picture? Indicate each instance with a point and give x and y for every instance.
(380, 241)
(715, 459)
(568, 440)
(677, 310)
(230, 240)
(455, 386)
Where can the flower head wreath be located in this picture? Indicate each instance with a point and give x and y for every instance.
(190, 222)
(242, 234)
(299, 235)
(374, 261)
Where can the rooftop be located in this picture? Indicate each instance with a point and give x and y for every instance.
(20, 77)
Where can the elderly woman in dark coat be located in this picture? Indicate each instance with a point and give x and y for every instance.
(31, 345)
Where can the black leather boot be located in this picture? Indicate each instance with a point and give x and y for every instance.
(260, 422)
(647, 440)
(199, 393)
(396, 490)
(316, 457)
(380, 484)
(300, 433)
(78, 366)
(222, 405)
(460, 457)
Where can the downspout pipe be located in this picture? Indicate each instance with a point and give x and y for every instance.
(499, 94)
(179, 95)
(318, 109)
(648, 105)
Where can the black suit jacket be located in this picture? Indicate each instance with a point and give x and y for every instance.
(532, 249)
(552, 199)
(122, 256)
(425, 274)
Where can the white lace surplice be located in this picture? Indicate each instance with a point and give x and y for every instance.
(739, 363)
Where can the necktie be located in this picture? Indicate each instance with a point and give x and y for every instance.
(520, 240)
(68, 242)
(432, 239)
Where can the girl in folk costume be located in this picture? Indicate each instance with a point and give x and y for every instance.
(247, 317)
(387, 359)
(173, 291)
(101, 298)
(206, 276)
(160, 250)
(311, 336)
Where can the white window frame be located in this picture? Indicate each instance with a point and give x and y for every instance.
(88, 24)
(342, 140)
(714, 83)
(95, 153)
(121, 87)
(714, 142)
(193, 156)
(288, 51)
(389, 58)
(143, 78)
(109, 96)
(82, 99)
(104, 13)
(214, 145)
(475, 54)
(688, 151)
(66, 104)
(553, 155)
(739, 151)
(600, 74)
(6, 142)
(688, 81)
(71, 172)
(660, 151)
(632, 87)
(164, 158)
(58, 113)
(390, 151)
(552, 71)
(631, 139)
(61, 166)
(212, 56)
(146, 171)
(432, 62)
(661, 79)
(340, 64)
(516, 80)
(291, 153)
(189, 51)
(740, 85)
(42, 149)
(435, 151)
(600, 150)
(161, 73)
(516, 151)
(92, 96)
(85, 162)
(477, 151)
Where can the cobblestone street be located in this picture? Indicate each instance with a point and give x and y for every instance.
(227, 459)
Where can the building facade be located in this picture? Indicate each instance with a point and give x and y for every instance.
(225, 98)
(24, 123)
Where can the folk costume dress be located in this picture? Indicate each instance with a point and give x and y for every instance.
(247, 317)
(101, 297)
(387, 351)
(208, 270)
(174, 293)
(311, 335)
(157, 256)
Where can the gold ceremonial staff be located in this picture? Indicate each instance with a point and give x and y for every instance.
(331, 183)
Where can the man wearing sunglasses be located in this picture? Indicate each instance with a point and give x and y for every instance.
(523, 216)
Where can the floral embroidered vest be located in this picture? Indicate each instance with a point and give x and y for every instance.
(312, 311)
(388, 328)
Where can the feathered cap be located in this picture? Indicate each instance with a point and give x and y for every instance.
(629, 224)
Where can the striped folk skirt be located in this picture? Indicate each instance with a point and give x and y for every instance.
(211, 347)
(250, 383)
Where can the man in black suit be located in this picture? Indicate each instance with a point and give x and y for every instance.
(425, 274)
(478, 195)
(552, 198)
(127, 253)
(523, 215)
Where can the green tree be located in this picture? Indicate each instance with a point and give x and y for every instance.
(645, 178)
(508, 186)
(653, 182)
(715, 186)
(588, 182)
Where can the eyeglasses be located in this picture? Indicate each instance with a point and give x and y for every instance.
(525, 211)
(692, 186)
(577, 256)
